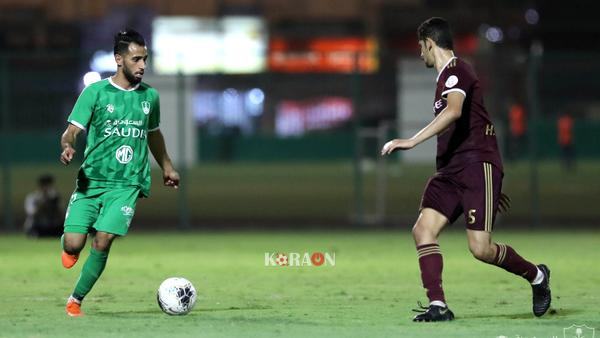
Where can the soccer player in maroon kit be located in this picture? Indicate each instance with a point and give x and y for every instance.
(468, 180)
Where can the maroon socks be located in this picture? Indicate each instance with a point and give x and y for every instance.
(431, 264)
(508, 259)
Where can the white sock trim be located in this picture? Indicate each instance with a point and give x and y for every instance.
(438, 303)
(539, 278)
(71, 298)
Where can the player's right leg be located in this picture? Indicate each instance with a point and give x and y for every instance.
(118, 207)
(72, 244)
(82, 213)
(425, 233)
(439, 206)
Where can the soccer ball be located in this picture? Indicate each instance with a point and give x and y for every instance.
(176, 296)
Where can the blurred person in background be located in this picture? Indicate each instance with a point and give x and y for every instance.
(121, 116)
(468, 180)
(517, 124)
(565, 141)
(43, 210)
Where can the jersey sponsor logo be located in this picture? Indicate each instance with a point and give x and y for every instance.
(124, 122)
(124, 154)
(146, 107)
(110, 108)
(438, 104)
(451, 81)
(125, 132)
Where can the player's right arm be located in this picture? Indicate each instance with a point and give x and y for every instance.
(67, 143)
(78, 120)
(443, 120)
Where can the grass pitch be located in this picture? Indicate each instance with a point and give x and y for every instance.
(369, 293)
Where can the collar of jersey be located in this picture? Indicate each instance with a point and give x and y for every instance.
(121, 88)
(446, 65)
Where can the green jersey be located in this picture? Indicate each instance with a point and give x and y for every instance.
(117, 122)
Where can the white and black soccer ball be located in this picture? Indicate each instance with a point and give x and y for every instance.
(176, 296)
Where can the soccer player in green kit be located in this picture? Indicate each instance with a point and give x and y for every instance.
(121, 116)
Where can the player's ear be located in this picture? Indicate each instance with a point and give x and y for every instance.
(428, 43)
(119, 60)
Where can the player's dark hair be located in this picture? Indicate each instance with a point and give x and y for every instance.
(124, 38)
(438, 30)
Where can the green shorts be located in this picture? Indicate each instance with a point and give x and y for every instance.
(104, 209)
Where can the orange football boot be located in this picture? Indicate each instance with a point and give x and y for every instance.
(74, 307)
(69, 260)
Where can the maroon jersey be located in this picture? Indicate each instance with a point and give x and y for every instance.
(472, 137)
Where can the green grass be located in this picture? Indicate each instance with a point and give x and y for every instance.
(369, 293)
(282, 193)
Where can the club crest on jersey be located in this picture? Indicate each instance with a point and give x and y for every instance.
(127, 211)
(124, 154)
(110, 108)
(451, 81)
(146, 107)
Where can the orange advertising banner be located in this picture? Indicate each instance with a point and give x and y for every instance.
(333, 55)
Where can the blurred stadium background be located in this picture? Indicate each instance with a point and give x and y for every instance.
(275, 110)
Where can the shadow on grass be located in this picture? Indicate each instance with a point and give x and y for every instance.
(552, 313)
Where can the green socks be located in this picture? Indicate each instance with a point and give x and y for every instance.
(92, 269)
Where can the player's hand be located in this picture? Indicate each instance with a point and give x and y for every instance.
(397, 144)
(171, 178)
(67, 155)
(504, 204)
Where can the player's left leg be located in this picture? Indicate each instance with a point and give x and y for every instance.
(483, 248)
(94, 265)
(91, 271)
(480, 203)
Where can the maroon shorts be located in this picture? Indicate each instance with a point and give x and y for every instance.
(473, 192)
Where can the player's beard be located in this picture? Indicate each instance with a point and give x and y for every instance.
(130, 76)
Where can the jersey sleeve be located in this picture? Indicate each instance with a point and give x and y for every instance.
(83, 109)
(154, 120)
(458, 80)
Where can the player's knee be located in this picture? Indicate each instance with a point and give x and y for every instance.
(417, 231)
(482, 251)
(102, 242)
(73, 245)
(101, 245)
(72, 248)
(422, 234)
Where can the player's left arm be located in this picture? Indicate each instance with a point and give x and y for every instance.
(441, 122)
(156, 143)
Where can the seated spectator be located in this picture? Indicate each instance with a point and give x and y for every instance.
(44, 213)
